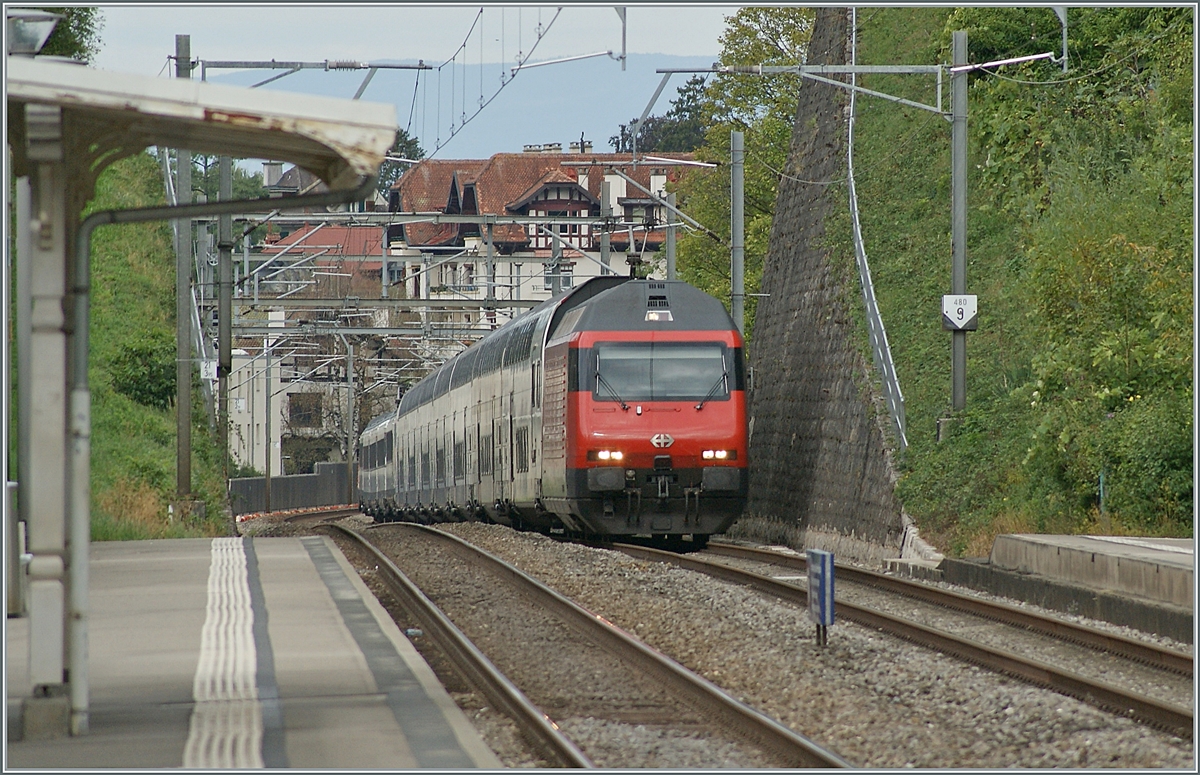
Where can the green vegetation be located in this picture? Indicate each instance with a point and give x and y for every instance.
(763, 109)
(681, 129)
(77, 34)
(1080, 249)
(405, 147)
(132, 373)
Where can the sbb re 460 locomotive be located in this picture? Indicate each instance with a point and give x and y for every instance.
(615, 409)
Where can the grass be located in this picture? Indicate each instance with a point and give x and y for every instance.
(133, 446)
(978, 483)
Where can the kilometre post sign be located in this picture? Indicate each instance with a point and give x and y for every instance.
(959, 312)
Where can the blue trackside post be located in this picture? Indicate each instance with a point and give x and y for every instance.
(820, 591)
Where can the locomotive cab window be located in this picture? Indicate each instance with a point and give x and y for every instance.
(661, 371)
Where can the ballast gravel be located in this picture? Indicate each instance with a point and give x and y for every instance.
(876, 700)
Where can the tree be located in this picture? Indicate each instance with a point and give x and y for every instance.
(77, 34)
(206, 179)
(760, 36)
(405, 147)
(680, 130)
(763, 108)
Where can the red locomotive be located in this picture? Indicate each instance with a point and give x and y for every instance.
(616, 409)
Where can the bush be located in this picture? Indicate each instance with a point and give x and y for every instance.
(144, 370)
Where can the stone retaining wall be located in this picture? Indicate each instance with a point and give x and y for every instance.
(821, 475)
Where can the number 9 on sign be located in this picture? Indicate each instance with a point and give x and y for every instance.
(959, 312)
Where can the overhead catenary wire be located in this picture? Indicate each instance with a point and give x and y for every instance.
(521, 58)
(896, 149)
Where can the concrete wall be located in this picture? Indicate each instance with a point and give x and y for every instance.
(820, 471)
(325, 487)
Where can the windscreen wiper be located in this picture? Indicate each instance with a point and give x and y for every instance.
(712, 391)
(600, 379)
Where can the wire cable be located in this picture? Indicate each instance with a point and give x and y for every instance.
(412, 107)
(439, 143)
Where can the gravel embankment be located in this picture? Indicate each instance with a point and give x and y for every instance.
(1077, 659)
(876, 700)
(615, 714)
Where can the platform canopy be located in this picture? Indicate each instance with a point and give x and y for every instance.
(109, 115)
(65, 124)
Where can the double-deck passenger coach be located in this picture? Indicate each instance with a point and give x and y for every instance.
(615, 409)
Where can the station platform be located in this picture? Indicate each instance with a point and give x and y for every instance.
(244, 653)
(1141, 582)
(1159, 569)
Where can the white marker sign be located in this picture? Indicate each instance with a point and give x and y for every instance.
(959, 312)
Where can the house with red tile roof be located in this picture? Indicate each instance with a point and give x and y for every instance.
(324, 260)
(441, 259)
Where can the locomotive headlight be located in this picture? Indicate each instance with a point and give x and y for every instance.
(606, 454)
(719, 454)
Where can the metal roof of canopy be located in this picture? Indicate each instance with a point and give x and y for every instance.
(336, 139)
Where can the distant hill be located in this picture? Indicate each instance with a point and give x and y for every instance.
(554, 103)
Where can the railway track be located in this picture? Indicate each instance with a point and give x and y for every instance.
(1163, 715)
(321, 514)
(471, 663)
(1128, 648)
(613, 676)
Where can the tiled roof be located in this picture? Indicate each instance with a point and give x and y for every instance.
(426, 187)
(503, 180)
(351, 241)
(552, 177)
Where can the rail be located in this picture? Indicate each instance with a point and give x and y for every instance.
(1161, 715)
(792, 749)
(1138, 651)
(472, 664)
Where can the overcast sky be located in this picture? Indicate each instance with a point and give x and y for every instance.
(556, 103)
(138, 38)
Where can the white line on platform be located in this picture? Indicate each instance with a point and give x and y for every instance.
(226, 726)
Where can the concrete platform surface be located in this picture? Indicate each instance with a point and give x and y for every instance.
(1160, 569)
(244, 652)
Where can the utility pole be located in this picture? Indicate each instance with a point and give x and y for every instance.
(737, 195)
(555, 267)
(383, 264)
(606, 213)
(491, 278)
(267, 427)
(958, 212)
(183, 298)
(224, 313)
(671, 239)
(349, 421)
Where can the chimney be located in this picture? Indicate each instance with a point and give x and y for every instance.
(272, 172)
(552, 148)
(533, 149)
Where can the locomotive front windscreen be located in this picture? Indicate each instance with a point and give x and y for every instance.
(661, 371)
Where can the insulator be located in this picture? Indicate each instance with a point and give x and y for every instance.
(341, 65)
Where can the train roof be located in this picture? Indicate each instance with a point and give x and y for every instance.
(506, 345)
(646, 305)
(378, 420)
(608, 303)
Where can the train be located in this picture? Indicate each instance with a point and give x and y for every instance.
(614, 410)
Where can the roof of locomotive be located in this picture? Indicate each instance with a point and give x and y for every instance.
(506, 345)
(637, 305)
